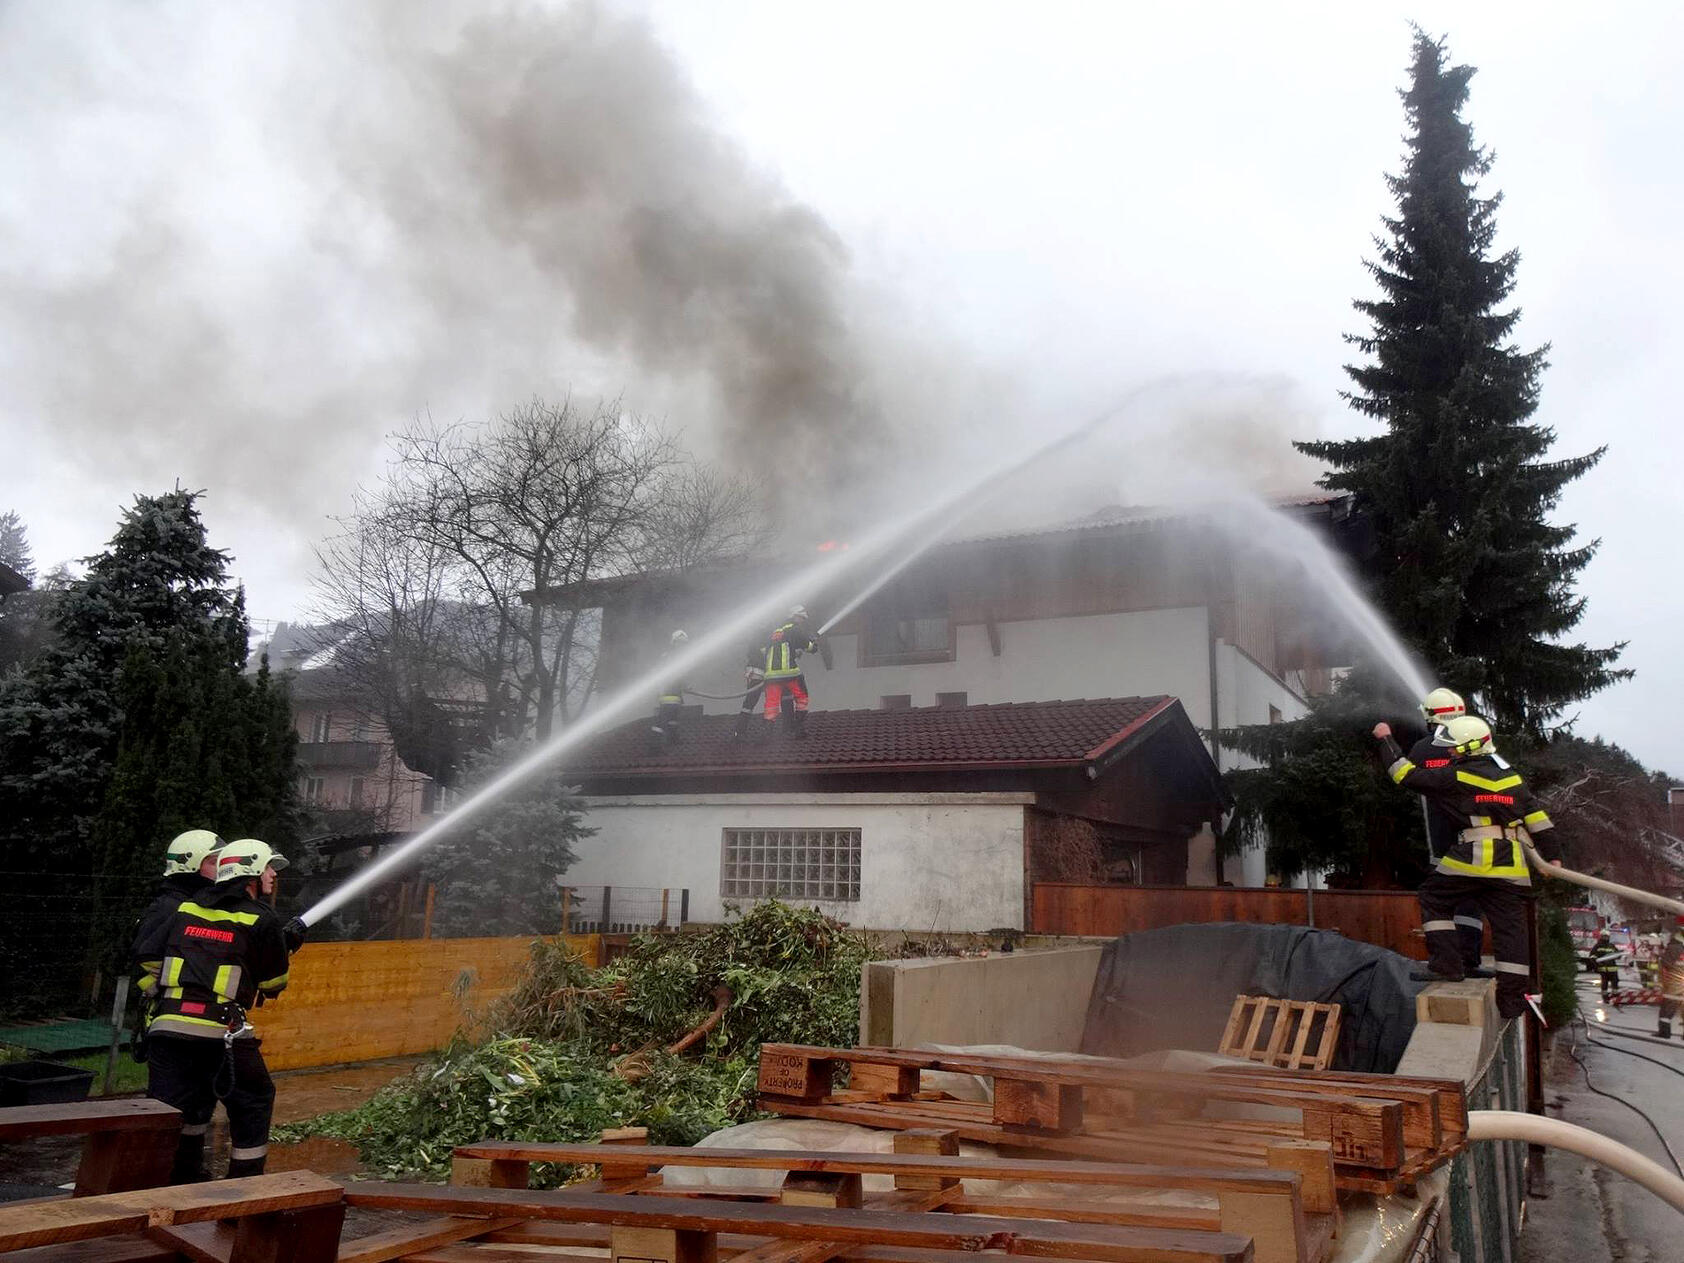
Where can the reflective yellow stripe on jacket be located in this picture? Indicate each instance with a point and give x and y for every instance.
(1488, 841)
(217, 914)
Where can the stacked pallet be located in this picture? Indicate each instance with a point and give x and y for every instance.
(820, 1212)
(1379, 1133)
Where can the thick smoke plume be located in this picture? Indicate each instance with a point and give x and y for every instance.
(241, 243)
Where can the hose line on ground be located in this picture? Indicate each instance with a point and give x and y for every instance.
(1573, 1052)
(1534, 1129)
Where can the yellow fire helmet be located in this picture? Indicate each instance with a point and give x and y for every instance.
(187, 851)
(1441, 706)
(245, 858)
(1465, 736)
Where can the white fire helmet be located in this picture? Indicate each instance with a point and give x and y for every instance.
(187, 851)
(247, 858)
(798, 612)
(1441, 705)
(680, 637)
(1465, 736)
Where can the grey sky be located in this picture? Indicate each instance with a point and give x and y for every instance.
(237, 247)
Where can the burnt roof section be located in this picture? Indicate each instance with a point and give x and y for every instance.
(1006, 736)
(1118, 520)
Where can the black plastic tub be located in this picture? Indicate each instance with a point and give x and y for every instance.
(43, 1083)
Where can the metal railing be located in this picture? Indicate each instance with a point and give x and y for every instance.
(623, 909)
(1488, 1178)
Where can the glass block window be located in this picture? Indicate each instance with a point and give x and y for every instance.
(791, 864)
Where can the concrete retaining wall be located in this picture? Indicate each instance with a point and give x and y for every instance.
(1029, 999)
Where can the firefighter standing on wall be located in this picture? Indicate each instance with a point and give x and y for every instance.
(1605, 959)
(1672, 982)
(784, 678)
(1438, 708)
(203, 968)
(1495, 812)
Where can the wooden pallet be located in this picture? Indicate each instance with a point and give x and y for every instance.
(1290, 1034)
(293, 1217)
(819, 1211)
(1379, 1132)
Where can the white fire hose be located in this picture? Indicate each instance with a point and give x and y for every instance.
(1535, 1129)
(1598, 883)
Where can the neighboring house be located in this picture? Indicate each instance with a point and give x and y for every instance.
(918, 819)
(11, 581)
(1122, 603)
(350, 776)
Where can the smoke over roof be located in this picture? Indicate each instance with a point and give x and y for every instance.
(277, 233)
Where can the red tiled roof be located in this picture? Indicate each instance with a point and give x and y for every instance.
(1006, 735)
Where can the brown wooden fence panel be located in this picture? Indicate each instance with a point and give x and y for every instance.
(390, 998)
(1390, 918)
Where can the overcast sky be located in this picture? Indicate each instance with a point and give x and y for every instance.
(240, 244)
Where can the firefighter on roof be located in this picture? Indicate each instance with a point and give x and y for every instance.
(1494, 812)
(754, 684)
(671, 700)
(203, 968)
(784, 679)
(1438, 708)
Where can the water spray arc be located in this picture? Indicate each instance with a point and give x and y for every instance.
(927, 526)
(634, 695)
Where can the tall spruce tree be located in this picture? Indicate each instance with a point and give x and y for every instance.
(1459, 487)
(137, 722)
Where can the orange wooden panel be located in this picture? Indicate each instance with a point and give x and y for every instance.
(1388, 918)
(361, 1001)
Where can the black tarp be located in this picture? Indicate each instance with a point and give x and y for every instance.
(1174, 988)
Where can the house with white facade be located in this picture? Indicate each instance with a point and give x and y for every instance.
(1128, 603)
(926, 818)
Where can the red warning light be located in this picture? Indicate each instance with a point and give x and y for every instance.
(830, 546)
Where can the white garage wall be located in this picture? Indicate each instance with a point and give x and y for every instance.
(927, 861)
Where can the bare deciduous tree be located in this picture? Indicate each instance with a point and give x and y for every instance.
(429, 587)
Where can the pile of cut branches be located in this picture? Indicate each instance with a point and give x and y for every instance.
(576, 1050)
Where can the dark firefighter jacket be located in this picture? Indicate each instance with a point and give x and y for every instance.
(1606, 957)
(784, 650)
(1491, 808)
(1442, 825)
(219, 950)
(167, 898)
(1672, 968)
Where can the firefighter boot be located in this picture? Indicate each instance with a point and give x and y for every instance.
(189, 1167)
(1664, 1029)
(798, 724)
(741, 730)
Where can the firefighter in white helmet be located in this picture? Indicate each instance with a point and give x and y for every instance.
(1496, 813)
(671, 700)
(786, 682)
(189, 861)
(1438, 708)
(204, 968)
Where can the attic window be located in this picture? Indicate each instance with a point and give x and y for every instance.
(950, 699)
(895, 701)
(907, 623)
(791, 864)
